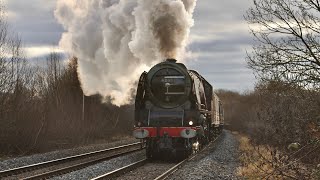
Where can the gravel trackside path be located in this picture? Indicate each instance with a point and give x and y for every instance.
(218, 161)
(148, 171)
(37, 158)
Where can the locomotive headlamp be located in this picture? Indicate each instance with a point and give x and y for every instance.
(139, 124)
(190, 123)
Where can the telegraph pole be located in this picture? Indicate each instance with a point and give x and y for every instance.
(82, 106)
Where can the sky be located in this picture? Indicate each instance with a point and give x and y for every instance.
(218, 41)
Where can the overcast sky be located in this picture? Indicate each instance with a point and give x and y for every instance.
(219, 39)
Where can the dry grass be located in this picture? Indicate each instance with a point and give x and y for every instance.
(253, 166)
(265, 162)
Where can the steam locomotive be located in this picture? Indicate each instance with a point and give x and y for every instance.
(176, 111)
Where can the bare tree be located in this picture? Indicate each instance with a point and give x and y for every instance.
(12, 62)
(41, 107)
(288, 36)
(15, 84)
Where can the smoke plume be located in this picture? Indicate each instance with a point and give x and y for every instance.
(116, 40)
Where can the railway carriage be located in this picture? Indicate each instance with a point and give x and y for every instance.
(176, 110)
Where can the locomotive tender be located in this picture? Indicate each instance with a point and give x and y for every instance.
(176, 110)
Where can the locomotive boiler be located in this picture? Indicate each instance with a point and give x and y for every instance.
(176, 110)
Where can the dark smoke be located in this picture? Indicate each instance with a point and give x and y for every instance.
(116, 40)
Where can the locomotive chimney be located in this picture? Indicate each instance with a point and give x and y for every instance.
(172, 60)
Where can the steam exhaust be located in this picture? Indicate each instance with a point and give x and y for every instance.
(116, 40)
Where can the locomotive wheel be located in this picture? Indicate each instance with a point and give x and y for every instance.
(204, 140)
(212, 134)
(183, 154)
(152, 154)
(149, 153)
(149, 150)
(220, 129)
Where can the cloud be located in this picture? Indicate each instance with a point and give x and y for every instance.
(41, 51)
(33, 21)
(222, 11)
(219, 38)
(227, 43)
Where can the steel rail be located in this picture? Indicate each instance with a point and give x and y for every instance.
(75, 167)
(122, 170)
(27, 168)
(140, 163)
(169, 172)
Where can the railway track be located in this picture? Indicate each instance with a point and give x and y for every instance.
(169, 171)
(72, 163)
(121, 170)
(125, 169)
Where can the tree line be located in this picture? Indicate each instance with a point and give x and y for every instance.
(42, 107)
(282, 112)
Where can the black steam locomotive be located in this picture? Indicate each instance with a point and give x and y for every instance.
(176, 110)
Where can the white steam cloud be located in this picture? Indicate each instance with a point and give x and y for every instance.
(115, 40)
